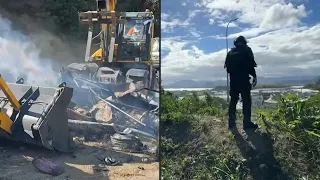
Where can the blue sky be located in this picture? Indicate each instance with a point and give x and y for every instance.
(284, 35)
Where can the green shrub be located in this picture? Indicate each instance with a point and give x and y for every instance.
(188, 153)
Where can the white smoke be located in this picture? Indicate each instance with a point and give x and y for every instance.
(19, 57)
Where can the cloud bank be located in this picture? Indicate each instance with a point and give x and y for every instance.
(284, 42)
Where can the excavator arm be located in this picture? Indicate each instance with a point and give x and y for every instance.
(39, 116)
(5, 121)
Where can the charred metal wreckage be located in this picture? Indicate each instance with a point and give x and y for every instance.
(115, 90)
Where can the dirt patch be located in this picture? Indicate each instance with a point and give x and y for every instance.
(255, 148)
(84, 164)
(135, 171)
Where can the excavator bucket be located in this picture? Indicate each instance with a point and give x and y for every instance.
(39, 116)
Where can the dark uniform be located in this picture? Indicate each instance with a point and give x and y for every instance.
(240, 64)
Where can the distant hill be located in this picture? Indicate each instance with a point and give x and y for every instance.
(292, 80)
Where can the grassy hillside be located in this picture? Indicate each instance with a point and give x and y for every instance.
(195, 142)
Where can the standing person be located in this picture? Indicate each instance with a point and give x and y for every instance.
(240, 64)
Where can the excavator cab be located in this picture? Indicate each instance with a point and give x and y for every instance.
(134, 37)
(124, 36)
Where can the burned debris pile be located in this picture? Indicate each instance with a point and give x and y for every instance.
(104, 96)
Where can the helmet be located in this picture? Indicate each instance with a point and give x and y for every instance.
(241, 40)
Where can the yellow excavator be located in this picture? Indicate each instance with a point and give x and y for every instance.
(126, 44)
(127, 50)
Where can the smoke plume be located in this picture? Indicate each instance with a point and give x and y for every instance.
(20, 58)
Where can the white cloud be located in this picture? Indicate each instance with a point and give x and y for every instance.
(283, 45)
(211, 21)
(194, 33)
(193, 13)
(281, 16)
(224, 24)
(188, 63)
(254, 12)
(291, 41)
(165, 16)
(277, 16)
(169, 22)
(169, 25)
(278, 53)
(248, 33)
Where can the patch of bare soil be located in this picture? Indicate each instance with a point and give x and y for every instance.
(84, 164)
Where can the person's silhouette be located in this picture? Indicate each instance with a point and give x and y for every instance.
(240, 64)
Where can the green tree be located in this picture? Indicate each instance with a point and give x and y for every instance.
(208, 98)
(64, 14)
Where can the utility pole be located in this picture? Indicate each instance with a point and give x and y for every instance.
(227, 53)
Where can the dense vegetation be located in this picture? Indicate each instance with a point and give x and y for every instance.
(195, 142)
(65, 13)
